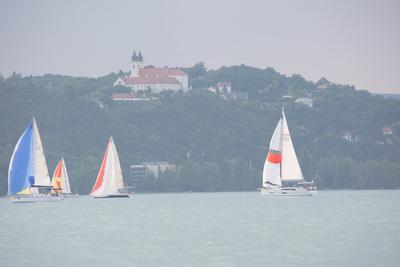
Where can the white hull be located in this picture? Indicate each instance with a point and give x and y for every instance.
(35, 198)
(71, 195)
(288, 191)
(115, 196)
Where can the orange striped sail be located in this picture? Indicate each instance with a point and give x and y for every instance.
(57, 178)
(272, 164)
(60, 181)
(100, 177)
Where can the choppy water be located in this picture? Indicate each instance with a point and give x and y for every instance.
(342, 228)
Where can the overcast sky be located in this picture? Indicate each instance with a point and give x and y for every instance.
(348, 41)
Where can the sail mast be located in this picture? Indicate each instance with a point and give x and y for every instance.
(281, 139)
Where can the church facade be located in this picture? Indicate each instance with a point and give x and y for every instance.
(151, 78)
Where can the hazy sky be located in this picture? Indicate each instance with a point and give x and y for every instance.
(348, 41)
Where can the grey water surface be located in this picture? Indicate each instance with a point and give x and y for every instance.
(335, 228)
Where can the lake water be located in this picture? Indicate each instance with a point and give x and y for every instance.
(335, 228)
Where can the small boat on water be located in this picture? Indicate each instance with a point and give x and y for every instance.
(282, 175)
(60, 181)
(109, 182)
(28, 176)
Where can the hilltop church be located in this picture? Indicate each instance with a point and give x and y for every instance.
(155, 79)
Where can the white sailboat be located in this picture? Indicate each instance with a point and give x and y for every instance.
(282, 167)
(109, 182)
(28, 173)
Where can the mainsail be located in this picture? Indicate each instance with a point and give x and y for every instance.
(39, 161)
(290, 165)
(109, 180)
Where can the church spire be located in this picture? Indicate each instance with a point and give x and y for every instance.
(140, 57)
(134, 57)
(136, 64)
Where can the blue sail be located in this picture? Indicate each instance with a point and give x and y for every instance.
(20, 171)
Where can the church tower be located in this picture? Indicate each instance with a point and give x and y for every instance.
(136, 64)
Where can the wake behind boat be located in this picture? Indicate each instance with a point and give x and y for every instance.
(109, 182)
(28, 176)
(282, 167)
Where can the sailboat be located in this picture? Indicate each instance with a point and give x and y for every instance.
(109, 182)
(27, 173)
(282, 174)
(60, 180)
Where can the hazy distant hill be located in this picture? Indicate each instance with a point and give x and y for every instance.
(395, 96)
(217, 144)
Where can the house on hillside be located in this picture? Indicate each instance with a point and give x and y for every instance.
(348, 136)
(308, 102)
(387, 131)
(146, 168)
(224, 89)
(151, 78)
(323, 83)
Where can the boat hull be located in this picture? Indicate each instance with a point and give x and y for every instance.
(115, 196)
(288, 191)
(71, 195)
(35, 198)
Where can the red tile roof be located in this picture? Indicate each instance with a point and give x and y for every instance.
(150, 80)
(177, 72)
(155, 76)
(161, 72)
(387, 130)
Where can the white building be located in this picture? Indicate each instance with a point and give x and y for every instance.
(387, 131)
(224, 87)
(323, 83)
(155, 79)
(308, 102)
(154, 168)
(348, 136)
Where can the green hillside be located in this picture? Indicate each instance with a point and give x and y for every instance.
(217, 144)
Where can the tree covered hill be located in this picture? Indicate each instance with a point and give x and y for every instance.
(217, 144)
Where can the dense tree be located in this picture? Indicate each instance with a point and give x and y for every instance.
(217, 145)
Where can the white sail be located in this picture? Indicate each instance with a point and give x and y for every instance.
(66, 189)
(117, 181)
(109, 180)
(41, 173)
(272, 165)
(290, 165)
